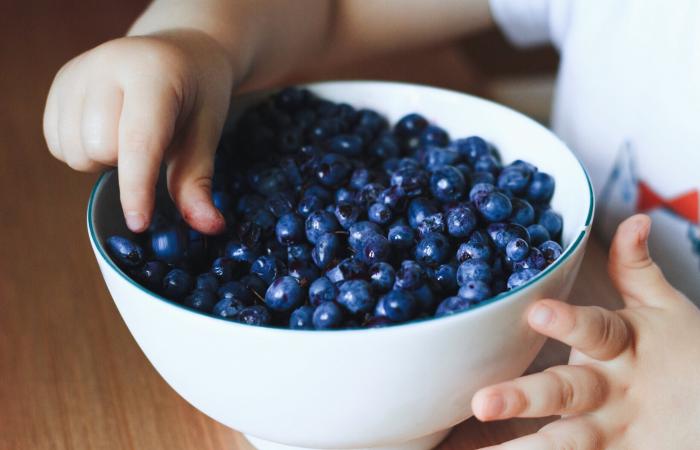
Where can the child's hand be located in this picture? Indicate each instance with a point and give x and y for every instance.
(135, 102)
(633, 381)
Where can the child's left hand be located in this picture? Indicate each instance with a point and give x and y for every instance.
(633, 379)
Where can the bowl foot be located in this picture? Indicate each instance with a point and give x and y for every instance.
(423, 443)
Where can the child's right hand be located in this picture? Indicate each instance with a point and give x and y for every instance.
(136, 102)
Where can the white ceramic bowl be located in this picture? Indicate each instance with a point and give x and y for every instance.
(401, 387)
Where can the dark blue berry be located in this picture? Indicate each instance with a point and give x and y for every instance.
(268, 268)
(151, 275)
(483, 177)
(379, 213)
(434, 135)
(521, 277)
(433, 249)
(126, 252)
(461, 221)
(472, 148)
(284, 294)
(326, 250)
(514, 180)
(381, 277)
(201, 300)
(368, 194)
(333, 169)
(289, 229)
(411, 180)
(255, 285)
(345, 144)
(474, 249)
(401, 236)
(552, 221)
(322, 290)
(453, 305)
(523, 213)
(359, 178)
(534, 260)
(495, 207)
(224, 269)
(410, 125)
(475, 291)
(303, 271)
(384, 147)
(517, 249)
(237, 290)
(445, 278)
(410, 276)
(376, 248)
(309, 204)
(238, 252)
(550, 250)
(436, 157)
(541, 188)
(393, 198)
(347, 269)
(207, 281)
(176, 284)
(480, 191)
(434, 223)
(302, 318)
(269, 180)
(418, 209)
(344, 195)
(447, 184)
(538, 234)
(474, 270)
(356, 296)
(227, 308)
(257, 315)
(327, 315)
(360, 231)
(347, 214)
(487, 164)
(397, 306)
(319, 223)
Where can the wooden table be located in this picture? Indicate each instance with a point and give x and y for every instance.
(71, 376)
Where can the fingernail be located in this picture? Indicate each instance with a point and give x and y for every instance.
(541, 315)
(135, 221)
(494, 405)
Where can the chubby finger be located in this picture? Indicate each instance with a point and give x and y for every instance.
(100, 122)
(597, 332)
(556, 391)
(50, 123)
(638, 279)
(577, 433)
(148, 116)
(190, 169)
(70, 110)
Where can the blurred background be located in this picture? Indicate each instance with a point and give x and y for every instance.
(56, 390)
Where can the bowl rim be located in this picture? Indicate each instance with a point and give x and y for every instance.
(498, 299)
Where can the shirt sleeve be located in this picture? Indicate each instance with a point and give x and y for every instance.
(526, 23)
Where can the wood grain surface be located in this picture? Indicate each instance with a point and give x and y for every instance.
(71, 376)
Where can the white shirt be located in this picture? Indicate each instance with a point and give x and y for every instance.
(627, 101)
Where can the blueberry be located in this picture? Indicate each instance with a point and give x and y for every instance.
(254, 315)
(447, 184)
(480, 191)
(384, 147)
(368, 194)
(434, 135)
(360, 231)
(436, 157)
(552, 222)
(309, 204)
(475, 291)
(268, 181)
(538, 234)
(126, 252)
(249, 203)
(333, 169)
(222, 201)
(280, 203)
(495, 207)
(461, 221)
(238, 252)
(410, 275)
(487, 164)
(541, 188)
(410, 125)
(345, 144)
(227, 308)
(434, 223)
(326, 250)
(377, 322)
(299, 252)
(303, 271)
(284, 294)
(289, 99)
(379, 213)
(453, 305)
(249, 234)
(474, 270)
(268, 268)
(322, 290)
(347, 269)
(347, 214)
(433, 249)
(289, 229)
(523, 213)
(401, 236)
(411, 180)
(289, 139)
(302, 318)
(445, 278)
(176, 284)
(517, 249)
(151, 275)
(356, 296)
(200, 299)
(550, 250)
(519, 278)
(376, 248)
(501, 233)
(224, 269)
(327, 315)
(255, 285)
(397, 306)
(237, 290)
(381, 277)
(394, 198)
(425, 298)
(359, 178)
(514, 180)
(319, 191)
(207, 281)
(472, 148)
(323, 129)
(319, 223)
(534, 260)
(418, 209)
(169, 244)
(265, 219)
(344, 195)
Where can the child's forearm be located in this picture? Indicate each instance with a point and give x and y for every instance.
(266, 39)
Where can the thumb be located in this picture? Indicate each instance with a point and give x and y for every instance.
(190, 168)
(635, 275)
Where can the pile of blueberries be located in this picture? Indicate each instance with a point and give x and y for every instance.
(337, 220)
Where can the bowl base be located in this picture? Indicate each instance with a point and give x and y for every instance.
(423, 443)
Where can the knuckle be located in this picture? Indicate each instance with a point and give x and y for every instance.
(566, 394)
